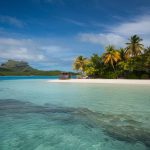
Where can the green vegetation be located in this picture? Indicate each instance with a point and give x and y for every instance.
(131, 62)
(21, 68)
(38, 73)
(80, 64)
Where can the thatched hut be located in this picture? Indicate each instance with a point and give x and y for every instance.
(65, 75)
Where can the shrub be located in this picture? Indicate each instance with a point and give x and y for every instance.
(132, 76)
(111, 75)
(144, 76)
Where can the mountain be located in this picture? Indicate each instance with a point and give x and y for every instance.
(13, 67)
(16, 66)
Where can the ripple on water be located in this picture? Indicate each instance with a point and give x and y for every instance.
(25, 125)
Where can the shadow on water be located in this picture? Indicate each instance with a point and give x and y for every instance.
(121, 127)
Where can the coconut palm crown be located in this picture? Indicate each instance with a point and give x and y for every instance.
(80, 63)
(134, 46)
(111, 56)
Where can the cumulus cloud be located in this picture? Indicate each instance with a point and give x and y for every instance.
(51, 49)
(43, 54)
(119, 34)
(23, 49)
(21, 54)
(103, 39)
(14, 42)
(12, 21)
(139, 25)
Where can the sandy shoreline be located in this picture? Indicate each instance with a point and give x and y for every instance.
(107, 81)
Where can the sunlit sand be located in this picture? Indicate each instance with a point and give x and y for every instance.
(110, 81)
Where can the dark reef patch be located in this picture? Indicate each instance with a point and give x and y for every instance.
(119, 126)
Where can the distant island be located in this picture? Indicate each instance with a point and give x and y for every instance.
(21, 68)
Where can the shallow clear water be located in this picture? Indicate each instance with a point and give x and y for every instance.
(37, 115)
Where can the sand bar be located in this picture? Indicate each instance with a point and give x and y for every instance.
(109, 81)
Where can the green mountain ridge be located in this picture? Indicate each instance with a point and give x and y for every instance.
(13, 67)
(16, 66)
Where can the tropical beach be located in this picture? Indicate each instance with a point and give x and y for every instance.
(74, 75)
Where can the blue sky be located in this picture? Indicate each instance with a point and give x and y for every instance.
(49, 34)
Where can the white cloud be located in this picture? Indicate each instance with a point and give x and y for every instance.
(119, 34)
(14, 42)
(103, 39)
(52, 49)
(22, 49)
(35, 51)
(11, 20)
(139, 25)
(21, 54)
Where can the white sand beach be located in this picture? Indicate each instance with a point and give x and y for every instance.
(107, 81)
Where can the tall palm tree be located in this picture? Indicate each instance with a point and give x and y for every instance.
(134, 46)
(111, 56)
(80, 64)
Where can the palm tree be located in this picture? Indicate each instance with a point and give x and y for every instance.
(123, 55)
(80, 64)
(134, 47)
(146, 58)
(111, 56)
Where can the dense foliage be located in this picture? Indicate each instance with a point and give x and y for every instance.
(131, 62)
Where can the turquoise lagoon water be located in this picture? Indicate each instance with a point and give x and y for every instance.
(37, 115)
